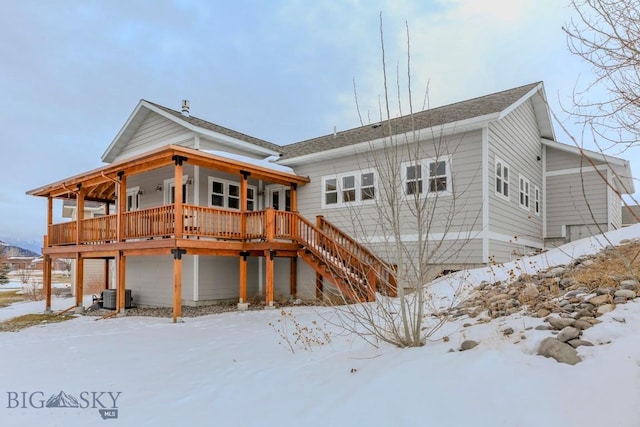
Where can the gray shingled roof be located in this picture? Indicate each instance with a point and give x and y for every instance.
(476, 107)
(220, 129)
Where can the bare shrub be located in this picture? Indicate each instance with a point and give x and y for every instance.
(297, 335)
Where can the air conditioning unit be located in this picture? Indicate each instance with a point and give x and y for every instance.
(109, 298)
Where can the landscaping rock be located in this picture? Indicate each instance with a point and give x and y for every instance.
(600, 299)
(559, 323)
(605, 308)
(561, 352)
(582, 324)
(543, 312)
(568, 334)
(629, 284)
(468, 345)
(578, 342)
(625, 293)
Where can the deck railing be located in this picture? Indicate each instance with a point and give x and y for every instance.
(99, 230)
(349, 261)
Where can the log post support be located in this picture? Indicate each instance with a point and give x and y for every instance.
(122, 204)
(244, 184)
(243, 305)
(121, 264)
(269, 257)
(294, 197)
(79, 289)
(177, 283)
(178, 196)
(46, 278)
(270, 224)
(106, 273)
(371, 285)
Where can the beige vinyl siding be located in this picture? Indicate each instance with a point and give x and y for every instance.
(150, 279)
(501, 252)
(219, 278)
(516, 141)
(362, 220)
(156, 131)
(306, 281)
(559, 160)
(573, 200)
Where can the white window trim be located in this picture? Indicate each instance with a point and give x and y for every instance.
(500, 193)
(168, 183)
(426, 177)
(522, 179)
(358, 189)
(537, 200)
(136, 193)
(225, 194)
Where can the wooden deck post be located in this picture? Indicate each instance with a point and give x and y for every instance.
(371, 285)
(106, 273)
(79, 290)
(178, 195)
(177, 283)
(293, 277)
(121, 265)
(269, 255)
(294, 197)
(122, 205)
(270, 224)
(46, 259)
(243, 277)
(46, 278)
(79, 214)
(243, 203)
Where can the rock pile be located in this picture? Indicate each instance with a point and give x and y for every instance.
(570, 298)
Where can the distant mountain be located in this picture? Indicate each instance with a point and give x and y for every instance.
(25, 247)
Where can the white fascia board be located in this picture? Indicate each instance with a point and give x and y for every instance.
(520, 101)
(582, 151)
(106, 155)
(224, 139)
(540, 107)
(474, 123)
(620, 167)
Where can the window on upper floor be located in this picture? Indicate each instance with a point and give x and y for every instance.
(524, 187)
(170, 190)
(502, 179)
(436, 173)
(226, 194)
(133, 199)
(348, 188)
(537, 196)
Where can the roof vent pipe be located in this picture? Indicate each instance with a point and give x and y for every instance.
(185, 107)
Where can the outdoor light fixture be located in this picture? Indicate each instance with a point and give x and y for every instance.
(159, 187)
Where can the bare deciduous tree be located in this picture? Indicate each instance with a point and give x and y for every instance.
(606, 34)
(421, 222)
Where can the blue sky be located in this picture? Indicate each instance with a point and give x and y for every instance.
(72, 71)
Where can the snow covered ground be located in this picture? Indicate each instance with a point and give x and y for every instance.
(234, 369)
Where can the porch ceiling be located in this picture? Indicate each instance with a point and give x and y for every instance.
(100, 184)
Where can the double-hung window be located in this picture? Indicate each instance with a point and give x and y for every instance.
(427, 176)
(226, 194)
(170, 190)
(502, 179)
(536, 200)
(133, 199)
(525, 188)
(348, 188)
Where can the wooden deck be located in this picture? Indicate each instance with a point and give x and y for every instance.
(180, 228)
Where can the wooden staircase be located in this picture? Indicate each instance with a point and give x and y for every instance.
(347, 264)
